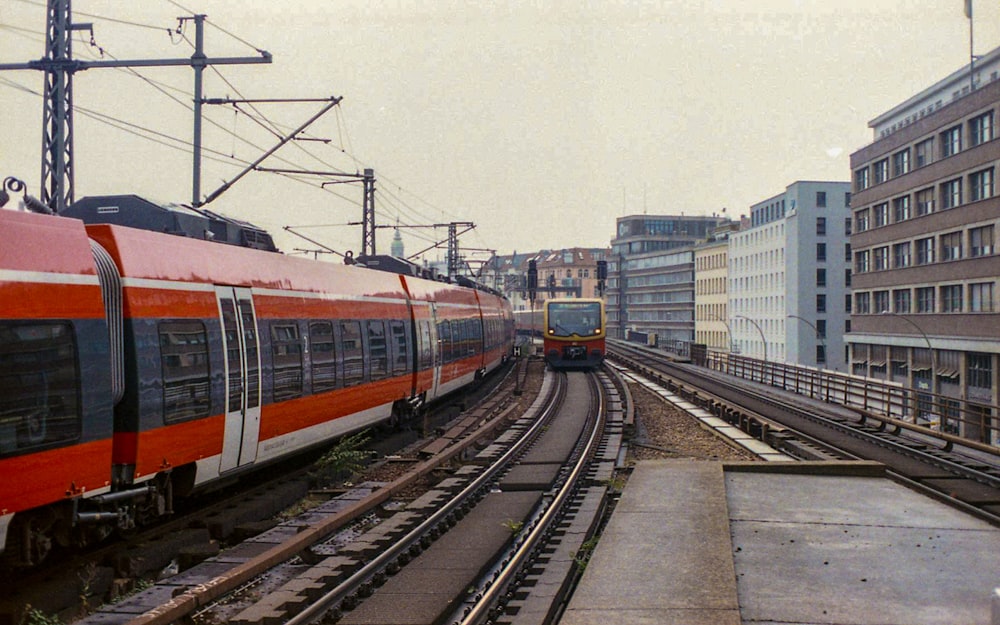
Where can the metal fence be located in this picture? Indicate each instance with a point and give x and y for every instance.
(962, 418)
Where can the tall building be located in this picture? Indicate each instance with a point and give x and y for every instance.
(789, 272)
(925, 264)
(711, 289)
(651, 275)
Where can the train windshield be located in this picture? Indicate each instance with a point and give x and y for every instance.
(574, 318)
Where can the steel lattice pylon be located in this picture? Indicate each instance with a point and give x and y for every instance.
(57, 118)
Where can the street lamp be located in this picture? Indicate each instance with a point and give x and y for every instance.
(819, 335)
(930, 351)
(756, 325)
(728, 329)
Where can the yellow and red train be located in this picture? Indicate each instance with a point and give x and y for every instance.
(573, 333)
(136, 366)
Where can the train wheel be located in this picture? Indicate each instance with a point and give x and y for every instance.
(32, 537)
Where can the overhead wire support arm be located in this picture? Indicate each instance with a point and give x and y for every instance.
(332, 102)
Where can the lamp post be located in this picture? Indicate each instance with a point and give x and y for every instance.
(930, 351)
(728, 329)
(819, 336)
(822, 340)
(756, 325)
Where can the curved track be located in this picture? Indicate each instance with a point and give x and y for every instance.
(967, 478)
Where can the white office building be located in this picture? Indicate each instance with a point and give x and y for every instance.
(789, 276)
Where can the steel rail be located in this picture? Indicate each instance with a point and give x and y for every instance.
(491, 596)
(473, 492)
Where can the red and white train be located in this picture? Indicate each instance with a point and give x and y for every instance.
(137, 366)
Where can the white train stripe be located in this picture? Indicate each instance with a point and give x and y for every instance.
(46, 277)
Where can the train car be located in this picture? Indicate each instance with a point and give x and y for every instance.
(56, 388)
(574, 333)
(137, 366)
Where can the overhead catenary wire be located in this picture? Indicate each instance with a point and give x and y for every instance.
(396, 201)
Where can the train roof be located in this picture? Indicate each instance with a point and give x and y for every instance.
(178, 219)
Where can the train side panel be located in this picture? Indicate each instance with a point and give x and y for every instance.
(55, 371)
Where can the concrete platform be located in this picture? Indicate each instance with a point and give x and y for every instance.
(703, 542)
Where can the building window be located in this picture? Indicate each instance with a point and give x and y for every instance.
(847, 281)
(925, 201)
(980, 367)
(847, 307)
(861, 179)
(847, 253)
(981, 241)
(925, 251)
(821, 252)
(820, 303)
(880, 256)
(981, 129)
(821, 328)
(821, 199)
(901, 255)
(925, 299)
(901, 301)
(821, 226)
(820, 354)
(881, 214)
(951, 141)
(981, 185)
(951, 193)
(901, 162)
(901, 208)
(951, 246)
(951, 298)
(821, 277)
(862, 303)
(881, 301)
(881, 170)
(924, 152)
(847, 226)
(861, 220)
(862, 262)
(981, 297)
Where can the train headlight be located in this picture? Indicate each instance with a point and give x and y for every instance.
(597, 330)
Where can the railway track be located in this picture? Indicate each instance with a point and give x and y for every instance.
(965, 475)
(331, 563)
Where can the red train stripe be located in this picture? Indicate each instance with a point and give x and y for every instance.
(40, 478)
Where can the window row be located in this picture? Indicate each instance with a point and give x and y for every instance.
(949, 194)
(948, 142)
(973, 297)
(308, 357)
(972, 243)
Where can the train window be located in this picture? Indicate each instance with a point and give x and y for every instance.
(39, 386)
(457, 340)
(184, 362)
(250, 343)
(286, 348)
(377, 349)
(444, 338)
(354, 363)
(401, 357)
(323, 356)
(426, 353)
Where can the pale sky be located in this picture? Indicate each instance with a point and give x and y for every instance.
(541, 122)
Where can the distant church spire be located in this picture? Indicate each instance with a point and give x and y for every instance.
(396, 249)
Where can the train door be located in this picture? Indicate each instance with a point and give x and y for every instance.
(241, 346)
(436, 348)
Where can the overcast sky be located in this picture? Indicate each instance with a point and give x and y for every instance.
(541, 122)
